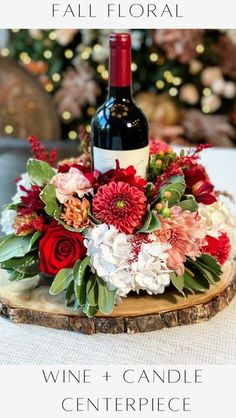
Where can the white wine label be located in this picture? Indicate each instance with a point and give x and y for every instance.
(105, 160)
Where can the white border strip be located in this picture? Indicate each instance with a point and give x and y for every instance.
(120, 14)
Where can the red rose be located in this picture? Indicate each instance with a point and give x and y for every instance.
(59, 249)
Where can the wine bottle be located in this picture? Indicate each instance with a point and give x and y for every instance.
(119, 128)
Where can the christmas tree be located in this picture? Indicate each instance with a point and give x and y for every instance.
(183, 79)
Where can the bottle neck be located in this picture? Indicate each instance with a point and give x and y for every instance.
(120, 67)
(120, 93)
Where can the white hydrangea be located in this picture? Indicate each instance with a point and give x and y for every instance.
(113, 260)
(150, 271)
(25, 182)
(110, 251)
(7, 220)
(8, 216)
(219, 219)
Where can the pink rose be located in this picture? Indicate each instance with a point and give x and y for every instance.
(67, 184)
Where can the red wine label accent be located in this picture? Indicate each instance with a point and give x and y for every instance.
(104, 159)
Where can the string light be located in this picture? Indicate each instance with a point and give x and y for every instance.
(9, 129)
(90, 111)
(47, 54)
(160, 84)
(200, 49)
(69, 54)
(88, 129)
(105, 75)
(153, 57)
(52, 35)
(86, 53)
(5, 52)
(56, 77)
(97, 48)
(100, 69)
(207, 92)
(206, 109)
(177, 81)
(134, 67)
(168, 76)
(66, 115)
(173, 92)
(49, 87)
(72, 135)
(25, 58)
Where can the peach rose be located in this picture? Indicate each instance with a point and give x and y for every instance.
(70, 183)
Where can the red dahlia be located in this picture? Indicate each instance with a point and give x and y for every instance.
(218, 247)
(120, 205)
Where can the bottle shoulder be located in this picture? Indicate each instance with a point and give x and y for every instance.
(114, 112)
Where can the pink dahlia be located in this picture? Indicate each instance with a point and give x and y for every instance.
(186, 232)
(120, 205)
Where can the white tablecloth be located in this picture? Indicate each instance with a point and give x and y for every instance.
(213, 342)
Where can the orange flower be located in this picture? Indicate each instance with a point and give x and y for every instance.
(23, 225)
(76, 212)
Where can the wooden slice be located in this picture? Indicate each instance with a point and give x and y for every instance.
(134, 314)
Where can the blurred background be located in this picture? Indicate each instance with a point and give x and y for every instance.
(51, 83)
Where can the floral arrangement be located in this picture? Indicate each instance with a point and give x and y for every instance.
(97, 237)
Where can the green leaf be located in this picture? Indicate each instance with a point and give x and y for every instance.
(193, 283)
(70, 293)
(61, 281)
(34, 240)
(39, 172)
(48, 196)
(13, 246)
(92, 291)
(177, 281)
(106, 297)
(210, 270)
(80, 293)
(90, 311)
(151, 223)
(188, 203)
(176, 185)
(210, 261)
(11, 206)
(80, 270)
(207, 274)
(16, 262)
(30, 270)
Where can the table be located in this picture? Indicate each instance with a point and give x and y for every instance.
(213, 342)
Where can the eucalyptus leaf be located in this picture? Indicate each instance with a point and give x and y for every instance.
(61, 281)
(12, 206)
(210, 277)
(90, 310)
(188, 203)
(151, 223)
(17, 262)
(80, 293)
(177, 281)
(211, 262)
(14, 246)
(70, 293)
(92, 290)
(80, 270)
(39, 172)
(48, 196)
(193, 283)
(106, 297)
